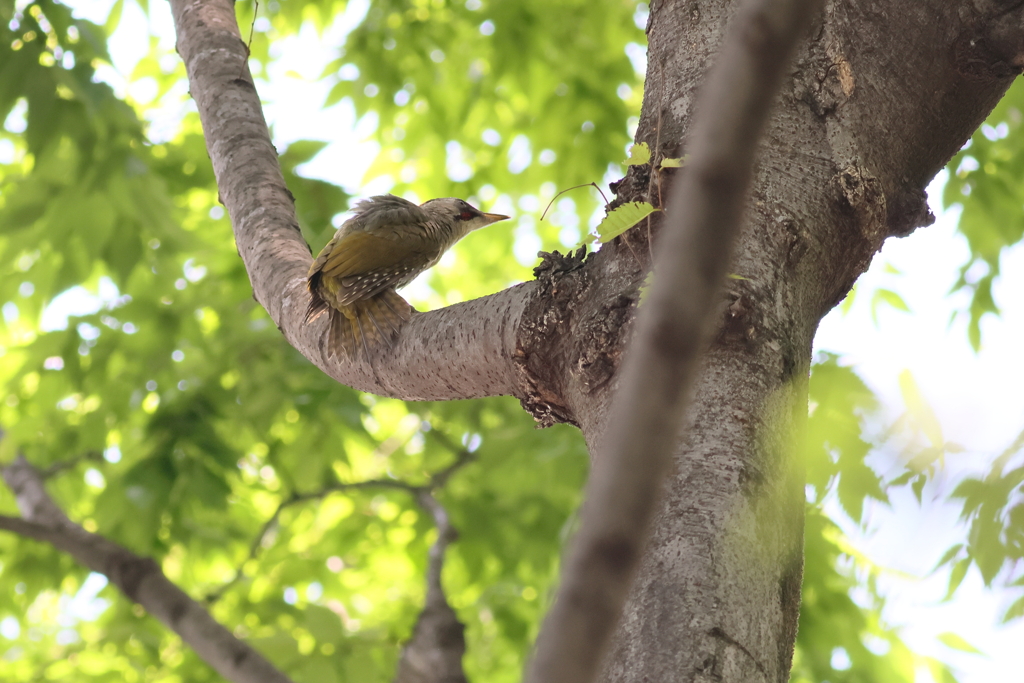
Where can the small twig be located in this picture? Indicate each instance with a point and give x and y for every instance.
(252, 26)
(248, 48)
(70, 463)
(257, 542)
(574, 187)
(438, 479)
(462, 457)
(654, 157)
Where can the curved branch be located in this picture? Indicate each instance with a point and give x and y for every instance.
(704, 215)
(462, 351)
(139, 578)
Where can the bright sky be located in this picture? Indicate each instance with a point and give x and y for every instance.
(976, 397)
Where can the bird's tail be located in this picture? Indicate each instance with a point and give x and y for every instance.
(367, 324)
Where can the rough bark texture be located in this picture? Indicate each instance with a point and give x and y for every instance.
(700, 225)
(882, 93)
(879, 98)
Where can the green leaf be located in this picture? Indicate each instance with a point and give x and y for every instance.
(114, 17)
(886, 297)
(901, 480)
(956, 642)
(921, 413)
(645, 288)
(1014, 611)
(639, 155)
(674, 162)
(940, 671)
(918, 487)
(956, 577)
(948, 556)
(622, 218)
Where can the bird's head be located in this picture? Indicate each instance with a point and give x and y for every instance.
(463, 215)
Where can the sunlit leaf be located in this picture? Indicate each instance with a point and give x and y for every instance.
(957, 642)
(639, 155)
(922, 414)
(622, 218)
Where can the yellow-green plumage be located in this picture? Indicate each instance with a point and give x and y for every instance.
(387, 243)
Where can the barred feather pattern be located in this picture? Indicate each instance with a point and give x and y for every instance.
(366, 324)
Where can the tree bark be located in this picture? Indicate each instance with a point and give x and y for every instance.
(882, 93)
(700, 225)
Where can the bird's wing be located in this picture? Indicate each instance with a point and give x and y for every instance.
(379, 213)
(360, 264)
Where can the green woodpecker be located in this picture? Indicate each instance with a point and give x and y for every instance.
(387, 243)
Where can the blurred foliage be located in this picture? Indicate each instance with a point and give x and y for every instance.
(187, 422)
(993, 509)
(985, 180)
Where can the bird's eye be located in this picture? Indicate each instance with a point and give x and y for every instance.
(465, 215)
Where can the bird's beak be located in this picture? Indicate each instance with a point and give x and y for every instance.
(494, 217)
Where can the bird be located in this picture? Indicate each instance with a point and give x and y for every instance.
(383, 246)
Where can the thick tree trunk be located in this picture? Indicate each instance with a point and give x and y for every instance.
(881, 95)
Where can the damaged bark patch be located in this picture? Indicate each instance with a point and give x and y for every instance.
(909, 211)
(860, 195)
(739, 322)
(599, 347)
(541, 344)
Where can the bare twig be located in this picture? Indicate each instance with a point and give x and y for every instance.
(574, 187)
(296, 498)
(61, 465)
(656, 171)
(139, 578)
(437, 480)
(704, 215)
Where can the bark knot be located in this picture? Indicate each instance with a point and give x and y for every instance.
(862, 194)
(828, 80)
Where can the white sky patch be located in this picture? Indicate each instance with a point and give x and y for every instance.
(78, 301)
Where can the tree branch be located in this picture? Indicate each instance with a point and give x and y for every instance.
(704, 214)
(462, 351)
(139, 578)
(438, 479)
(61, 465)
(434, 653)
